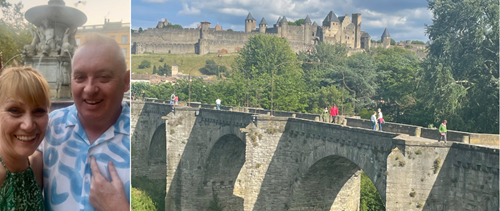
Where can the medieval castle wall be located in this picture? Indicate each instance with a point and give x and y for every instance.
(205, 40)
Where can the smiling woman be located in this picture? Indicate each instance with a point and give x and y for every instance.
(24, 105)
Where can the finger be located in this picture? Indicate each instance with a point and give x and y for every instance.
(93, 166)
(113, 173)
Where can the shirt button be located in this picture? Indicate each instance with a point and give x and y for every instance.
(87, 178)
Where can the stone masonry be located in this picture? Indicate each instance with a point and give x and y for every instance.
(258, 162)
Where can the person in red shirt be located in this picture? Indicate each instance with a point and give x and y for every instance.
(334, 111)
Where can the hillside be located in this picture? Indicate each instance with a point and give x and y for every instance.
(186, 62)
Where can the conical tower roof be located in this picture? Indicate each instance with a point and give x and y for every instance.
(307, 20)
(315, 24)
(284, 20)
(249, 17)
(279, 20)
(263, 22)
(332, 17)
(386, 33)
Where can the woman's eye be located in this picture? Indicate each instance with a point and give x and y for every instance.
(14, 111)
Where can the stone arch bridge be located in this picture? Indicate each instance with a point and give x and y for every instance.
(259, 162)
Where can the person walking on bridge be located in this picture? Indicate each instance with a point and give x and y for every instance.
(442, 130)
(334, 111)
(217, 102)
(380, 119)
(373, 120)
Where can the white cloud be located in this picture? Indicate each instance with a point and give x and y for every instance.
(233, 11)
(193, 25)
(189, 11)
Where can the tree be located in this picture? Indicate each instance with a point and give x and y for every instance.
(154, 69)
(264, 55)
(14, 32)
(141, 201)
(174, 26)
(393, 42)
(211, 68)
(140, 30)
(461, 72)
(370, 198)
(397, 68)
(299, 21)
(145, 64)
(229, 30)
(417, 42)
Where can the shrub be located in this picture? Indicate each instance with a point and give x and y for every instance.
(141, 201)
(145, 64)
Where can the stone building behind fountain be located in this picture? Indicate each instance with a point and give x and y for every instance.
(204, 39)
(53, 44)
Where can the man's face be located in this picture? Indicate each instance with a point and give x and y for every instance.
(98, 81)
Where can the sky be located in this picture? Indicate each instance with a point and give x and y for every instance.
(405, 19)
(96, 10)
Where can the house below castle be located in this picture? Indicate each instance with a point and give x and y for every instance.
(204, 39)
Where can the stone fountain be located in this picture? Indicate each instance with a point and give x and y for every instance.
(53, 44)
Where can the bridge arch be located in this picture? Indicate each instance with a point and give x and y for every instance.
(158, 145)
(373, 163)
(222, 168)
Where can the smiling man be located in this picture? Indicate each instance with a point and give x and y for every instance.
(87, 147)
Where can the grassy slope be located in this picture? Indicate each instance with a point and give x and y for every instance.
(186, 62)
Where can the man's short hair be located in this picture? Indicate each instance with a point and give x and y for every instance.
(105, 42)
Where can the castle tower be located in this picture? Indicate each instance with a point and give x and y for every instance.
(262, 26)
(307, 30)
(218, 27)
(250, 23)
(331, 25)
(356, 20)
(205, 26)
(386, 39)
(284, 27)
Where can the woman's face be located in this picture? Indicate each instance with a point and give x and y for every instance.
(22, 127)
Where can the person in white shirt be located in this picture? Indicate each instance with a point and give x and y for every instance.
(373, 120)
(217, 102)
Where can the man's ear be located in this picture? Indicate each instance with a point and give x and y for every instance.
(127, 81)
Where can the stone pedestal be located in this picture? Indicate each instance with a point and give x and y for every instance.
(57, 72)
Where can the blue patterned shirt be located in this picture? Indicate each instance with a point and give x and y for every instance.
(66, 158)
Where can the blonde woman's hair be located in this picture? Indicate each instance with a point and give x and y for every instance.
(26, 84)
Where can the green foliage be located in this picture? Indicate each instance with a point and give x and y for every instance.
(417, 42)
(397, 68)
(153, 188)
(260, 58)
(460, 77)
(164, 70)
(229, 30)
(365, 113)
(140, 30)
(370, 198)
(161, 60)
(376, 41)
(145, 64)
(174, 26)
(296, 23)
(393, 42)
(140, 201)
(211, 68)
(14, 32)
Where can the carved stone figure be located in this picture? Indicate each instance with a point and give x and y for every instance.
(66, 45)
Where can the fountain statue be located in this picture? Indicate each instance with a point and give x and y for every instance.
(53, 44)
